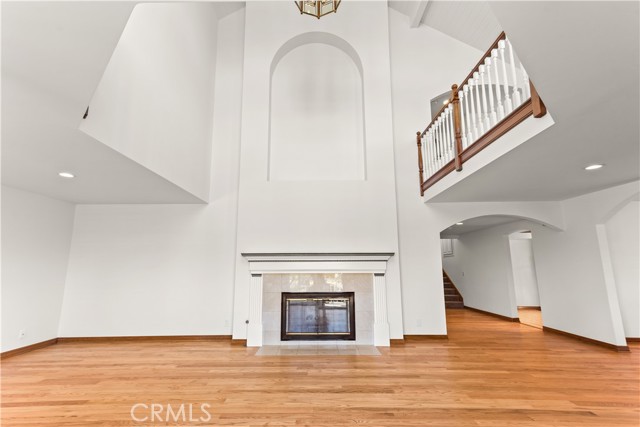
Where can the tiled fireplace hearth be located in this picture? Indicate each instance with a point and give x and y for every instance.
(360, 275)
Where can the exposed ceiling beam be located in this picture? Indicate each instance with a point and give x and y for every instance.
(418, 12)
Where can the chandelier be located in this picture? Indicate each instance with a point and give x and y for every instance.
(318, 8)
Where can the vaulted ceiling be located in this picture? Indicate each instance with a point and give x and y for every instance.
(53, 56)
(582, 56)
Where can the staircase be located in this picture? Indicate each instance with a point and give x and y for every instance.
(452, 298)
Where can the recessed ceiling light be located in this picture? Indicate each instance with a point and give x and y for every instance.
(593, 167)
(459, 223)
(445, 102)
(67, 175)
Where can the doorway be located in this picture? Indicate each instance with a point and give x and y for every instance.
(525, 280)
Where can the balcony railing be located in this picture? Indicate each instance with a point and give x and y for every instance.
(496, 96)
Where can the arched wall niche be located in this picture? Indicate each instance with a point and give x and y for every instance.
(316, 111)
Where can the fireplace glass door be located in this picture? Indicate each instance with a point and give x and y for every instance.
(318, 316)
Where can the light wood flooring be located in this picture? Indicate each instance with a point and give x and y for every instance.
(488, 373)
(530, 317)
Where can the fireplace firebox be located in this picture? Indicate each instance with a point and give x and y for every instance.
(318, 316)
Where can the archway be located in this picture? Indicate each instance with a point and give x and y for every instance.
(491, 263)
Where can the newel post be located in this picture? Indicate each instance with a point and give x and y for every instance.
(420, 161)
(539, 109)
(457, 126)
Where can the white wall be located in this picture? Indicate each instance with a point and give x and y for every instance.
(523, 265)
(154, 102)
(36, 237)
(165, 269)
(146, 270)
(574, 269)
(424, 64)
(317, 216)
(316, 116)
(624, 235)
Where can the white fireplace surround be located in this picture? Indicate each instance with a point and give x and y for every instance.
(268, 263)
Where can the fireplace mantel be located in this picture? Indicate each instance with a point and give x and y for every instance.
(268, 263)
(374, 262)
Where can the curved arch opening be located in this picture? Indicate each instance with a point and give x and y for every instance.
(492, 264)
(316, 113)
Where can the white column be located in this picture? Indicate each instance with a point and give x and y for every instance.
(381, 321)
(254, 330)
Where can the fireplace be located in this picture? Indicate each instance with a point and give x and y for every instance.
(318, 316)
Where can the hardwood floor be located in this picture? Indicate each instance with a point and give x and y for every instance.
(530, 317)
(488, 373)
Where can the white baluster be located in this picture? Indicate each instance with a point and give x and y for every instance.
(432, 147)
(474, 117)
(452, 135)
(476, 83)
(448, 121)
(438, 142)
(499, 108)
(526, 88)
(429, 151)
(485, 109)
(441, 141)
(434, 151)
(443, 132)
(508, 106)
(467, 116)
(517, 100)
(452, 131)
(445, 137)
(425, 163)
(463, 127)
(492, 113)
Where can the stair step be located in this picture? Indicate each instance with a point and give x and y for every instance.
(452, 298)
(454, 305)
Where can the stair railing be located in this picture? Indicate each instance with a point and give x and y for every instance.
(496, 96)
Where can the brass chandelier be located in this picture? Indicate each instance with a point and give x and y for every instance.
(318, 8)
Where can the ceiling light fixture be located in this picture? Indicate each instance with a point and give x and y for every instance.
(459, 223)
(445, 102)
(593, 167)
(318, 8)
(67, 175)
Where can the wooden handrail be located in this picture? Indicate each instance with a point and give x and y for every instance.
(435, 118)
(486, 55)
